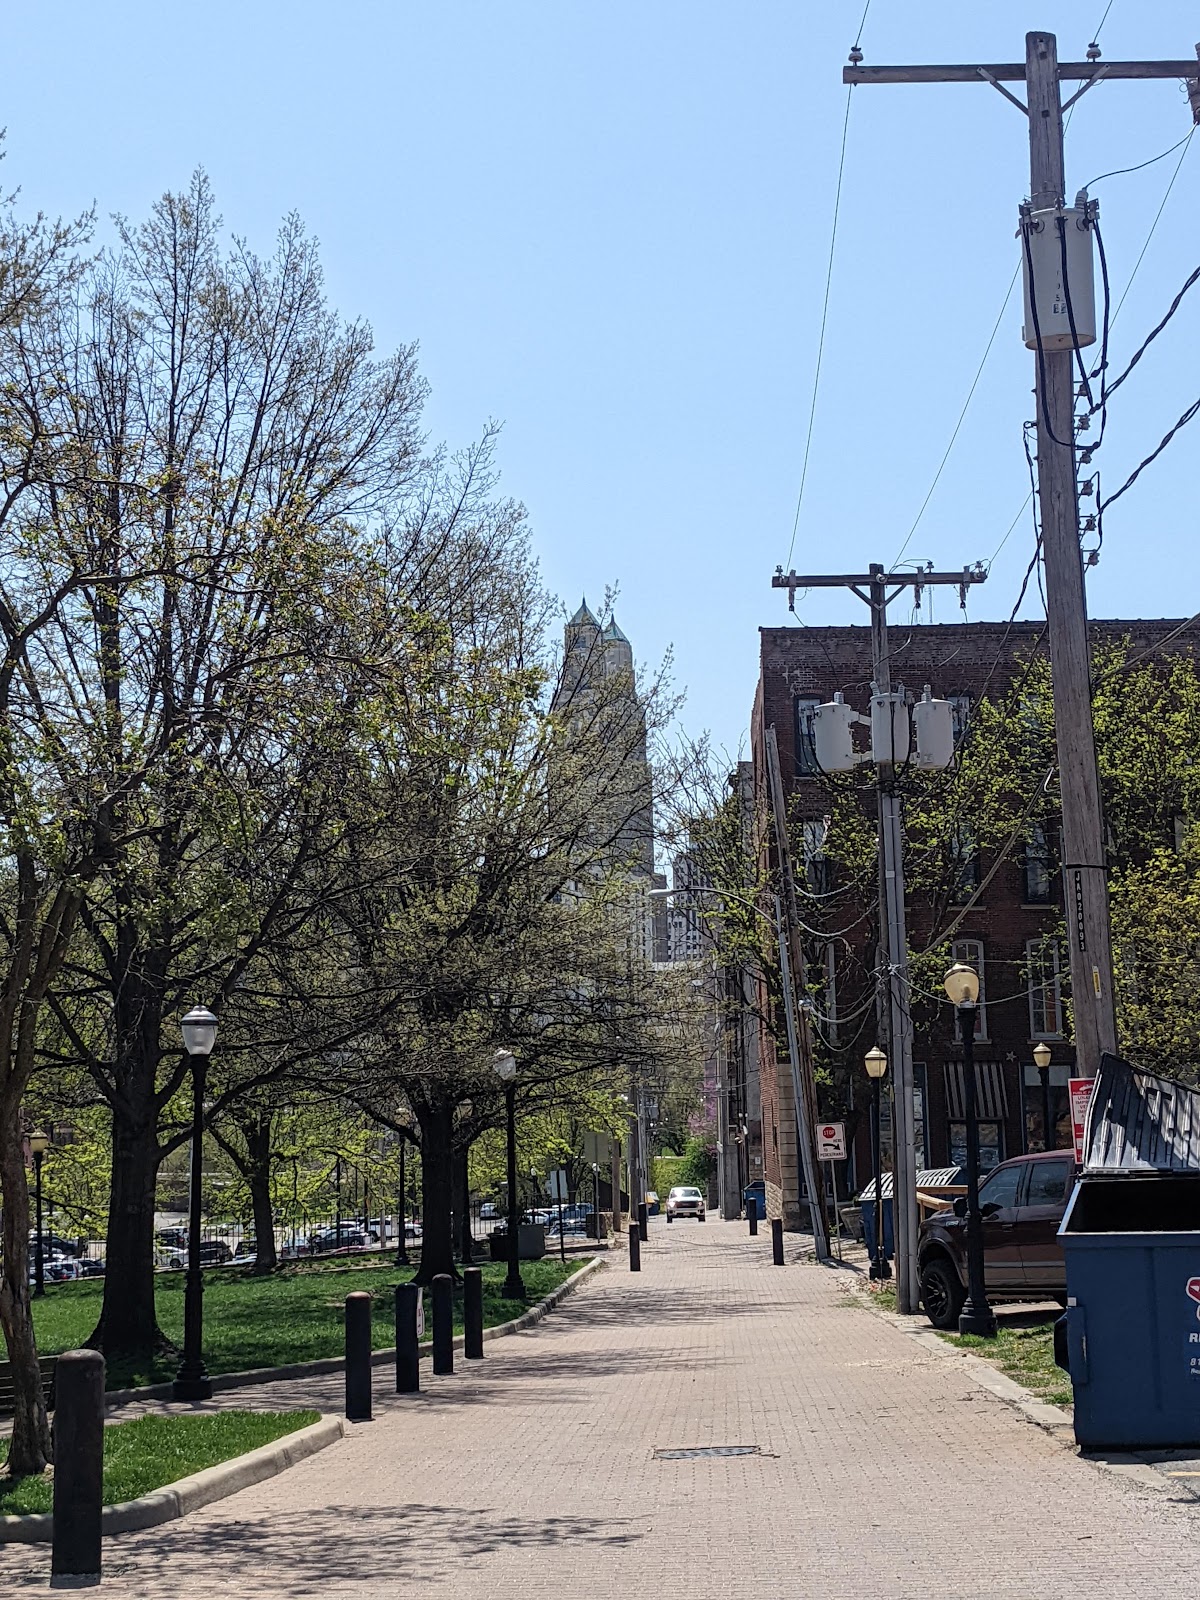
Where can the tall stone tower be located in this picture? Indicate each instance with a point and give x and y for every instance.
(598, 667)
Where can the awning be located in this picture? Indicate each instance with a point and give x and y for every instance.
(991, 1098)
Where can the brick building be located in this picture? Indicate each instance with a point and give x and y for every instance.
(1008, 936)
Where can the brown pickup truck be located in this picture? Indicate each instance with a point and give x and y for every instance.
(1022, 1203)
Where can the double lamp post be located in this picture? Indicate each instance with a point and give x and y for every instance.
(192, 1381)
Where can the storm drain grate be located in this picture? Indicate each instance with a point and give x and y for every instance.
(701, 1452)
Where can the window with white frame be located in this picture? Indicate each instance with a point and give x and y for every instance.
(965, 851)
(970, 953)
(816, 862)
(1038, 867)
(1045, 989)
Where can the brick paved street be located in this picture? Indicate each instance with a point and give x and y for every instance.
(885, 1469)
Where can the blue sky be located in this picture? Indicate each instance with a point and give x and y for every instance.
(608, 227)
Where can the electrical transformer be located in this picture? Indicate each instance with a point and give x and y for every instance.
(831, 736)
(934, 724)
(891, 731)
(1049, 239)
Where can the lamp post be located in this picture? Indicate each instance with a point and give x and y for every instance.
(39, 1143)
(1041, 1056)
(595, 1199)
(505, 1064)
(962, 986)
(876, 1064)
(192, 1381)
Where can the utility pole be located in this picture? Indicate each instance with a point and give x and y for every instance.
(791, 972)
(1085, 882)
(877, 589)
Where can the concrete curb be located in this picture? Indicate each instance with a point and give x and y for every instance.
(189, 1494)
(379, 1358)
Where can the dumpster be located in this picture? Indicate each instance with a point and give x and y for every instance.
(754, 1198)
(935, 1185)
(1131, 1237)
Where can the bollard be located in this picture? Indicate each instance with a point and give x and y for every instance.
(473, 1314)
(777, 1240)
(443, 1325)
(635, 1249)
(752, 1219)
(78, 1463)
(643, 1220)
(409, 1319)
(358, 1357)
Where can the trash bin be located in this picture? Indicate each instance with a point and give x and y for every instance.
(867, 1201)
(1131, 1237)
(754, 1198)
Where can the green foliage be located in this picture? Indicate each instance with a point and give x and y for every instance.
(666, 1173)
(698, 1162)
(149, 1452)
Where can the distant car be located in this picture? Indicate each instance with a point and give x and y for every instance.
(172, 1238)
(684, 1201)
(1022, 1202)
(489, 1211)
(213, 1253)
(571, 1227)
(90, 1267)
(53, 1244)
(55, 1269)
(324, 1241)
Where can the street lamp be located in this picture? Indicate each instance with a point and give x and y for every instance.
(192, 1381)
(39, 1143)
(962, 986)
(402, 1244)
(876, 1064)
(1041, 1056)
(505, 1065)
(596, 1199)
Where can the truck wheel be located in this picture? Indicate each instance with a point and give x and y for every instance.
(941, 1293)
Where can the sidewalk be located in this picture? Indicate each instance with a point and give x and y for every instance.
(882, 1469)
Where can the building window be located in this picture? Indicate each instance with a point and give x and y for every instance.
(1038, 867)
(965, 852)
(960, 711)
(991, 1145)
(970, 953)
(1045, 989)
(806, 755)
(816, 862)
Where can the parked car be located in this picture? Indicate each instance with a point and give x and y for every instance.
(55, 1268)
(91, 1267)
(172, 1238)
(213, 1253)
(489, 1211)
(1022, 1203)
(322, 1241)
(684, 1201)
(53, 1244)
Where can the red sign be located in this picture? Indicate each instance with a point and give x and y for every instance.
(1193, 1291)
(1080, 1093)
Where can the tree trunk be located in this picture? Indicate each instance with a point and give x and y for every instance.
(437, 1184)
(257, 1132)
(462, 1185)
(128, 1331)
(29, 1452)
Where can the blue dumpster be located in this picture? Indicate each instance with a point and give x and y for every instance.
(1131, 1237)
(868, 1217)
(754, 1197)
(941, 1181)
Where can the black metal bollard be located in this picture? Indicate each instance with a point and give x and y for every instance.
(635, 1249)
(643, 1220)
(752, 1219)
(473, 1314)
(78, 1463)
(358, 1357)
(777, 1240)
(443, 1324)
(408, 1338)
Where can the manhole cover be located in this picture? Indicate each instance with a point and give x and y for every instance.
(701, 1452)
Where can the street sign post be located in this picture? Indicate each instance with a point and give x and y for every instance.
(831, 1141)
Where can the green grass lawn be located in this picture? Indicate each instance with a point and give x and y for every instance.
(295, 1314)
(1023, 1350)
(149, 1452)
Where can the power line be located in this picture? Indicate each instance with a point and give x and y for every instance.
(1120, 172)
(961, 416)
(812, 413)
(1187, 144)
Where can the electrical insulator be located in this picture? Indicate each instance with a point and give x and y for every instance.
(832, 740)
(891, 731)
(1045, 233)
(934, 724)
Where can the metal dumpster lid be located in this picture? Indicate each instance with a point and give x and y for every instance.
(931, 1178)
(1140, 1123)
